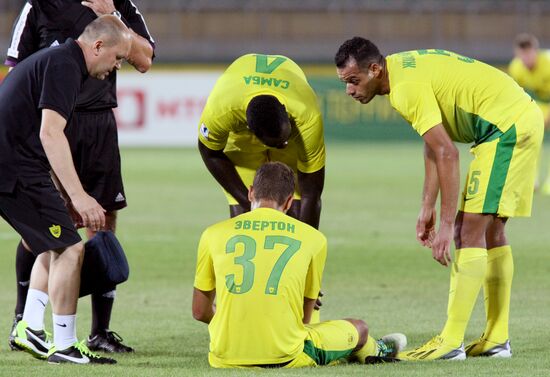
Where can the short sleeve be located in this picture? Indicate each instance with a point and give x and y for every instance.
(214, 128)
(205, 279)
(416, 103)
(311, 145)
(60, 87)
(24, 38)
(315, 271)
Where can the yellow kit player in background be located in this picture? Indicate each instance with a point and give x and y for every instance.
(265, 268)
(447, 97)
(531, 70)
(263, 109)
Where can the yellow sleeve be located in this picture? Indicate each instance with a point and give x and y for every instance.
(315, 272)
(416, 103)
(214, 128)
(311, 145)
(205, 280)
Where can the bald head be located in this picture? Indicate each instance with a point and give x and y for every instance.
(106, 28)
(105, 43)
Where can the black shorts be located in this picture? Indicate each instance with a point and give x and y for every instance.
(93, 139)
(38, 213)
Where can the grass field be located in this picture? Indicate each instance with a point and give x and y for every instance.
(375, 270)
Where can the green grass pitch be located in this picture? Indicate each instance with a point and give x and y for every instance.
(375, 271)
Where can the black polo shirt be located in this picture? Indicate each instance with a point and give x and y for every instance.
(43, 24)
(50, 79)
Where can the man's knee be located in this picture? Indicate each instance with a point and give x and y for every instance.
(362, 330)
(74, 252)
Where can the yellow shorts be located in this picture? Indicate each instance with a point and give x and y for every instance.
(248, 162)
(326, 343)
(501, 177)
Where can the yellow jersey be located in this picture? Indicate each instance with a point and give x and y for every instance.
(223, 122)
(474, 101)
(536, 82)
(262, 264)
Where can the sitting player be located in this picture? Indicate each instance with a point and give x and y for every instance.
(266, 268)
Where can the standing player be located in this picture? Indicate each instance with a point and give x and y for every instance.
(92, 133)
(36, 99)
(263, 109)
(266, 269)
(447, 97)
(531, 70)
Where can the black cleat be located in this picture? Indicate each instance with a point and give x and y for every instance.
(108, 341)
(78, 353)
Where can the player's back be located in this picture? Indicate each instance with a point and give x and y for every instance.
(264, 263)
(257, 74)
(473, 97)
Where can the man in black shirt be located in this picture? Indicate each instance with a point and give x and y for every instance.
(36, 100)
(42, 24)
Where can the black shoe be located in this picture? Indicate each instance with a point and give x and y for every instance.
(13, 333)
(108, 341)
(78, 353)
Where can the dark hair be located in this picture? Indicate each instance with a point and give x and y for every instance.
(266, 117)
(524, 41)
(273, 181)
(363, 51)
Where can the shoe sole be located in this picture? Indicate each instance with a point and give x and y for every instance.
(30, 348)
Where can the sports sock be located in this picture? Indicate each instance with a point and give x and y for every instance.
(467, 274)
(497, 290)
(369, 349)
(35, 306)
(24, 260)
(102, 306)
(64, 331)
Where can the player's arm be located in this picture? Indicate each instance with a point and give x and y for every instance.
(425, 225)
(203, 305)
(25, 38)
(141, 52)
(58, 152)
(309, 305)
(444, 153)
(223, 170)
(311, 187)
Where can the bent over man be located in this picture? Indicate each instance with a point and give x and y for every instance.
(263, 109)
(36, 100)
(92, 133)
(448, 97)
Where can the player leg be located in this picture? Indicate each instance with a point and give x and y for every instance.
(37, 212)
(24, 261)
(516, 200)
(94, 143)
(333, 342)
(497, 291)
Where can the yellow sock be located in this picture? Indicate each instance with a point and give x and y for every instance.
(497, 290)
(467, 274)
(369, 349)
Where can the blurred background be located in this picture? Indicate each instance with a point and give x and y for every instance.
(196, 39)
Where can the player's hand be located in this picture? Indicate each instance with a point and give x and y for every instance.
(77, 219)
(441, 245)
(100, 7)
(92, 214)
(425, 226)
(318, 302)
